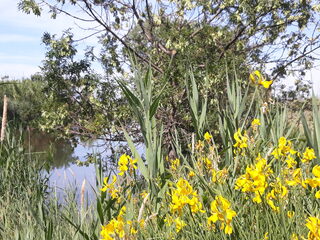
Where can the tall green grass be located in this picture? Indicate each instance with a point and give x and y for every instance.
(29, 209)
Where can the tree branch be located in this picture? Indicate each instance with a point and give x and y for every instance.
(108, 29)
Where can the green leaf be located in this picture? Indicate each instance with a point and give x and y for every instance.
(141, 165)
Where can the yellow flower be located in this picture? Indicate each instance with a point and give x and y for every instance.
(291, 162)
(175, 164)
(179, 224)
(313, 224)
(184, 195)
(207, 163)
(294, 177)
(207, 136)
(107, 185)
(308, 155)
(133, 231)
(290, 214)
(106, 231)
(314, 182)
(115, 228)
(191, 174)
(255, 179)
(316, 171)
(257, 78)
(277, 193)
(294, 237)
(133, 163)
(221, 211)
(219, 175)
(241, 140)
(266, 236)
(255, 122)
(123, 164)
(283, 149)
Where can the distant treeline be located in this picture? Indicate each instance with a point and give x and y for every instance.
(25, 99)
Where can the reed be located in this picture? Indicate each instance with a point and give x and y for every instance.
(4, 118)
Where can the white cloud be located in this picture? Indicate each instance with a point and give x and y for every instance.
(15, 18)
(6, 57)
(20, 28)
(314, 76)
(17, 71)
(8, 38)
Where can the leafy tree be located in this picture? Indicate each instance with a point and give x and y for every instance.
(266, 31)
(78, 102)
(172, 36)
(25, 99)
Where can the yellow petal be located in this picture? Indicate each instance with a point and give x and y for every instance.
(228, 229)
(318, 194)
(266, 84)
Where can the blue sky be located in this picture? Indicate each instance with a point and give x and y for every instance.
(21, 50)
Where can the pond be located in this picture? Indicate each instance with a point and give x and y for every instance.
(64, 173)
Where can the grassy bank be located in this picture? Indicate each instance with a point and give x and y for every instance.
(27, 210)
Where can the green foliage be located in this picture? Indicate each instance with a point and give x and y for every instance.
(78, 102)
(206, 35)
(198, 111)
(25, 100)
(312, 128)
(144, 105)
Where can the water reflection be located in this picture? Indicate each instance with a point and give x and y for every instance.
(60, 152)
(64, 173)
(61, 156)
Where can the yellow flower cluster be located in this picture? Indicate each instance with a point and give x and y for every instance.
(264, 181)
(293, 177)
(110, 187)
(179, 224)
(257, 78)
(315, 182)
(184, 195)
(278, 193)
(175, 163)
(221, 211)
(125, 162)
(255, 179)
(284, 148)
(115, 228)
(241, 141)
(313, 224)
(219, 176)
(308, 155)
(255, 123)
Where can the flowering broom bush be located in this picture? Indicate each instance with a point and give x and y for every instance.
(269, 190)
(272, 196)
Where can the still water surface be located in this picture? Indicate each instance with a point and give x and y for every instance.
(64, 173)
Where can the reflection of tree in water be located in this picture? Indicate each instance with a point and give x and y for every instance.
(58, 151)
